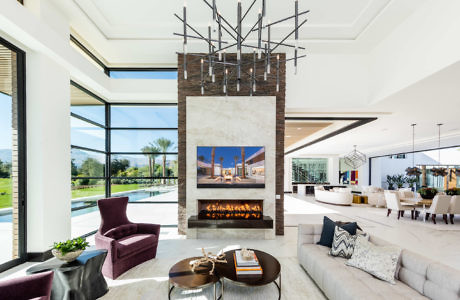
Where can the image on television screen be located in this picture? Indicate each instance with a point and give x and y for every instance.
(230, 167)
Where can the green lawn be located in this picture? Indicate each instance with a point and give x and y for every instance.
(5, 192)
(100, 190)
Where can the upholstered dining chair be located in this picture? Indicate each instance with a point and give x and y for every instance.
(454, 207)
(128, 244)
(440, 206)
(393, 203)
(36, 286)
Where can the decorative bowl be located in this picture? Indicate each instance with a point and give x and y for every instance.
(68, 257)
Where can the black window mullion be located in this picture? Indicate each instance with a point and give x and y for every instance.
(77, 116)
(87, 149)
(108, 142)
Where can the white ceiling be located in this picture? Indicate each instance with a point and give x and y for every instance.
(433, 100)
(140, 32)
(147, 19)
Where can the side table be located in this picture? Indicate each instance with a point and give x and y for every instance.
(81, 279)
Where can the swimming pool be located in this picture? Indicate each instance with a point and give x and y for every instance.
(134, 196)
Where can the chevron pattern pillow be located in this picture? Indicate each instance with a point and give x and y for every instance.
(343, 243)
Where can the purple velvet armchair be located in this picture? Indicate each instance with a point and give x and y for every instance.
(36, 286)
(128, 244)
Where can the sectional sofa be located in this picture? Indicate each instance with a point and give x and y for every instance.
(417, 277)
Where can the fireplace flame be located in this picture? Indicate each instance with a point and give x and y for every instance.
(232, 211)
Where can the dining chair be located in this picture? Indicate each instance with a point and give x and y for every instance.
(440, 206)
(454, 207)
(394, 203)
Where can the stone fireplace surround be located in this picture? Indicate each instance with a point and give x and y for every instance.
(231, 121)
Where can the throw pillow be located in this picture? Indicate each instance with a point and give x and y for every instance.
(379, 261)
(327, 235)
(343, 244)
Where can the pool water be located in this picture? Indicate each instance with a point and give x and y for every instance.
(133, 197)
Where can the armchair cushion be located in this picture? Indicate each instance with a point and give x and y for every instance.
(121, 231)
(129, 245)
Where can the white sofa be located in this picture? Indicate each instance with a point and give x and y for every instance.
(341, 196)
(417, 277)
(375, 196)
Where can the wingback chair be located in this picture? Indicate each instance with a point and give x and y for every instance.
(454, 207)
(36, 286)
(393, 203)
(128, 244)
(439, 206)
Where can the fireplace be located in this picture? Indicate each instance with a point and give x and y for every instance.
(230, 213)
(230, 209)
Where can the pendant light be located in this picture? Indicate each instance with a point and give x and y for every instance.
(413, 171)
(440, 171)
(355, 159)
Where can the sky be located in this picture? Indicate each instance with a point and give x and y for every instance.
(143, 74)
(5, 121)
(227, 153)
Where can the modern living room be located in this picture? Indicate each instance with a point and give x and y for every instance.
(246, 149)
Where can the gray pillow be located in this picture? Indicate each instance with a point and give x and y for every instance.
(343, 243)
(379, 261)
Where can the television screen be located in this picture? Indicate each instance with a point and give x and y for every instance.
(230, 167)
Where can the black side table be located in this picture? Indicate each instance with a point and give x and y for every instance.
(81, 279)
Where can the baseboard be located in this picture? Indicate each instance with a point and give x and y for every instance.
(39, 256)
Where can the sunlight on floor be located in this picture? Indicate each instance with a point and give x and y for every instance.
(296, 206)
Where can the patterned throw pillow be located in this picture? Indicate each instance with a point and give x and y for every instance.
(380, 261)
(343, 243)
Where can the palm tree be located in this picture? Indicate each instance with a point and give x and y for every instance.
(213, 155)
(243, 167)
(164, 145)
(221, 159)
(150, 151)
(235, 158)
(201, 158)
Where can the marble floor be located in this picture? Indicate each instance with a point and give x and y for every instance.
(150, 280)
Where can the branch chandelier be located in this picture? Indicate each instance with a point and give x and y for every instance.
(263, 51)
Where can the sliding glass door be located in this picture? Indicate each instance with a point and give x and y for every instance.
(12, 156)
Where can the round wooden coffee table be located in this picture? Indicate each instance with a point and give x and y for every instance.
(181, 276)
(270, 266)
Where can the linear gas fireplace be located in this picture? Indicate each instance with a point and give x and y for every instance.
(230, 213)
(230, 209)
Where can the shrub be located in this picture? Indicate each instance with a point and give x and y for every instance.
(428, 193)
(453, 191)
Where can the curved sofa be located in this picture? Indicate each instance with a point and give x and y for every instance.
(344, 197)
(417, 277)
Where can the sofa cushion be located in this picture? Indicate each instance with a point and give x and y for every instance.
(376, 260)
(340, 282)
(327, 235)
(442, 282)
(121, 231)
(135, 243)
(343, 243)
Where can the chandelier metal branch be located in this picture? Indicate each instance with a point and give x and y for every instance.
(355, 159)
(263, 48)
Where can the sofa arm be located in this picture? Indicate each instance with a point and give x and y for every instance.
(148, 228)
(308, 234)
(103, 242)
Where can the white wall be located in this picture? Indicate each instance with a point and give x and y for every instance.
(48, 152)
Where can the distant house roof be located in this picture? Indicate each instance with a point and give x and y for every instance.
(261, 150)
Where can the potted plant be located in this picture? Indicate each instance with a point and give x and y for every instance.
(428, 193)
(69, 250)
(390, 182)
(399, 180)
(411, 180)
(453, 191)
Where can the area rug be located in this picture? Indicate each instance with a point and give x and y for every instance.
(150, 281)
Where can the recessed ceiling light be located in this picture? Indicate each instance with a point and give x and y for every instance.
(298, 128)
(288, 136)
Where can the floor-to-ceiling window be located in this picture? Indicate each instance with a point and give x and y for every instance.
(12, 156)
(309, 170)
(143, 154)
(88, 158)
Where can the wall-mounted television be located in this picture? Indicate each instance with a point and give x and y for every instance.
(230, 167)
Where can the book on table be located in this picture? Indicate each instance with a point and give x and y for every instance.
(246, 267)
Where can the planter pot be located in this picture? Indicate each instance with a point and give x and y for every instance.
(68, 257)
